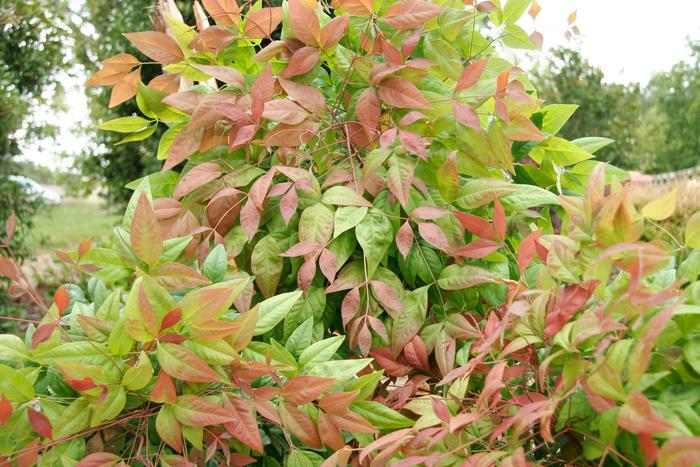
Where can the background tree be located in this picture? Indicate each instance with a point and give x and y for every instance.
(674, 97)
(611, 110)
(104, 162)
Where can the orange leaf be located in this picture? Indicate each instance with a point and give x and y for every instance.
(99, 459)
(192, 410)
(304, 389)
(125, 88)
(245, 425)
(471, 74)
(360, 8)
(5, 410)
(164, 389)
(478, 248)
(300, 425)
(260, 23)
(334, 31)
(8, 269)
(330, 434)
(636, 415)
(337, 402)
(146, 236)
(680, 451)
(401, 93)
(224, 12)
(409, 14)
(183, 364)
(368, 110)
(156, 45)
(303, 61)
(196, 177)
(304, 23)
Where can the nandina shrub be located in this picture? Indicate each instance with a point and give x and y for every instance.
(366, 246)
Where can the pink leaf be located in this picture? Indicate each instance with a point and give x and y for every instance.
(404, 239)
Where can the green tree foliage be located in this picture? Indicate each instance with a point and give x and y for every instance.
(104, 162)
(611, 110)
(349, 257)
(673, 100)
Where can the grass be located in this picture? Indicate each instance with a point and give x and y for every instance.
(66, 224)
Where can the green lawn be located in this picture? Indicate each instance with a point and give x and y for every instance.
(65, 225)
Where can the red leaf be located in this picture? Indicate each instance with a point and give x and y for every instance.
(10, 226)
(300, 425)
(304, 389)
(434, 235)
(350, 305)
(476, 225)
(300, 249)
(28, 455)
(223, 208)
(478, 248)
(368, 110)
(285, 111)
(61, 299)
(330, 434)
(404, 239)
(306, 274)
(5, 410)
(224, 12)
(440, 409)
(387, 138)
(337, 402)
(412, 117)
(386, 360)
(353, 423)
(43, 333)
(328, 264)
(387, 297)
(471, 74)
(99, 459)
(409, 14)
(164, 389)
(8, 269)
(680, 451)
(492, 384)
(185, 144)
(259, 24)
(156, 45)
(636, 415)
(499, 220)
(245, 427)
(527, 250)
(39, 423)
(196, 177)
(146, 237)
(334, 31)
(411, 42)
(401, 93)
(304, 23)
(84, 247)
(250, 219)
(413, 142)
(171, 319)
(466, 115)
(307, 96)
(303, 61)
(289, 204)
(361, 8)
(81, 384)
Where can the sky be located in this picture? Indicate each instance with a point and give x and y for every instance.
(629, 40)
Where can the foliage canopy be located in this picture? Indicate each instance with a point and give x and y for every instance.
(348, 257)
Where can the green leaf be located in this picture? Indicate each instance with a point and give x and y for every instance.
(515, 37)
(167, 140)
(149, 101)
(216, 264)
(514, 9)
(347, 217)
(109, 407)
(380, 416)
(266, 264)
(321, 351)
(691, 352)
(139, 135)
(375, 235)
(297, 458)
(12, 348)
(692, 231)
(79, 351)
(556, 116)
(661, 208)
(316, 224)
(592, 144)
(456, 277)
(15, 385)
(137, 377)
(120, 342)
(448, 60)
(301, 338)
(559, 151)
(341, 370)
(481, 191)
(274, 309)
(125, 124)
(172, 248)
(75, 418)
(340, 195)
(529, 196)
(143, 187)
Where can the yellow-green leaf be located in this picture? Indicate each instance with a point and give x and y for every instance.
(661, 208)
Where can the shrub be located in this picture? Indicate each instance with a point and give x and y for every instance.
(356, 262)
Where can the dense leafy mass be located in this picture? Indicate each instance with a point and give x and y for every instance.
(366, 246)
